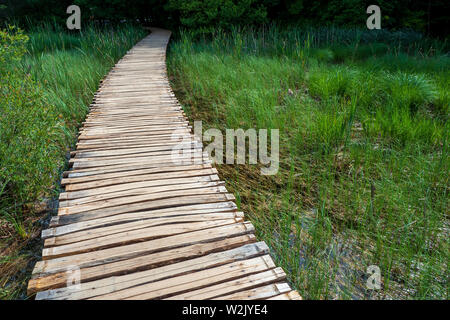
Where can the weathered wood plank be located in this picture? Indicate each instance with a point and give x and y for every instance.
(131, 189)
(96, 228)
(112, 284)
(95, 258)
(140, 177)
(191, 205)
(292, 295)
(89, 175)
(251, 281)
(192, 281)
(60, 249)
(50, 279)
(102, 204)
(258, 293)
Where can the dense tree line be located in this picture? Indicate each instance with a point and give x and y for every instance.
(427, 16)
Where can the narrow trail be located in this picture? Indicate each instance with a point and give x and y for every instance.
(137, 222)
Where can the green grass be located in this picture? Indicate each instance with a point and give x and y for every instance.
(364, 166)
(41, 113)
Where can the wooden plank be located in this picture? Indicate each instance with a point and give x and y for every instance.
(166, 154)
(78, 176)
(152, 185)
(258, 293)
(98, 205)
(59, 249)
(149, 205)
(95, 122)
(99, 111)
(211, 292)
(112, 284)
(292, 295)
(155, 209)
(67, 234)
(84, 260)
(140, 177)
(57, 278)
(90, 133)
(128, 151)
(150, 134)
(194, 158)
(112, 146)
(155, 138)
(196, 280)
(76, 220)
(135, 191)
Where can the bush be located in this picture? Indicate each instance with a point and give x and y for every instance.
(12, 46)
(26, 124)
(44, 97)
(205, 16)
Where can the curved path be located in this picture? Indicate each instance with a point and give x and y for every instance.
(138, 221)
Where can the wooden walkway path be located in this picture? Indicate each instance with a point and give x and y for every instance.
(134, 224)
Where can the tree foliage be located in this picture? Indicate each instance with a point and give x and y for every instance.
(25, 123)
(208, 14)
(421, 15)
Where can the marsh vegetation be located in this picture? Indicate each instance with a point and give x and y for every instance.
(363, 119)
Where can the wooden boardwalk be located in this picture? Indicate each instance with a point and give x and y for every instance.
(133, 222)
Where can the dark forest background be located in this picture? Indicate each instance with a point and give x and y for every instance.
(426, 16)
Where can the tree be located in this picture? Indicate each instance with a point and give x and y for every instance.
(204, 15)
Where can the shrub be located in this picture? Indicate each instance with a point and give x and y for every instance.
(26, 124)
(44, 97)
(12, 46)
(205, 16)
